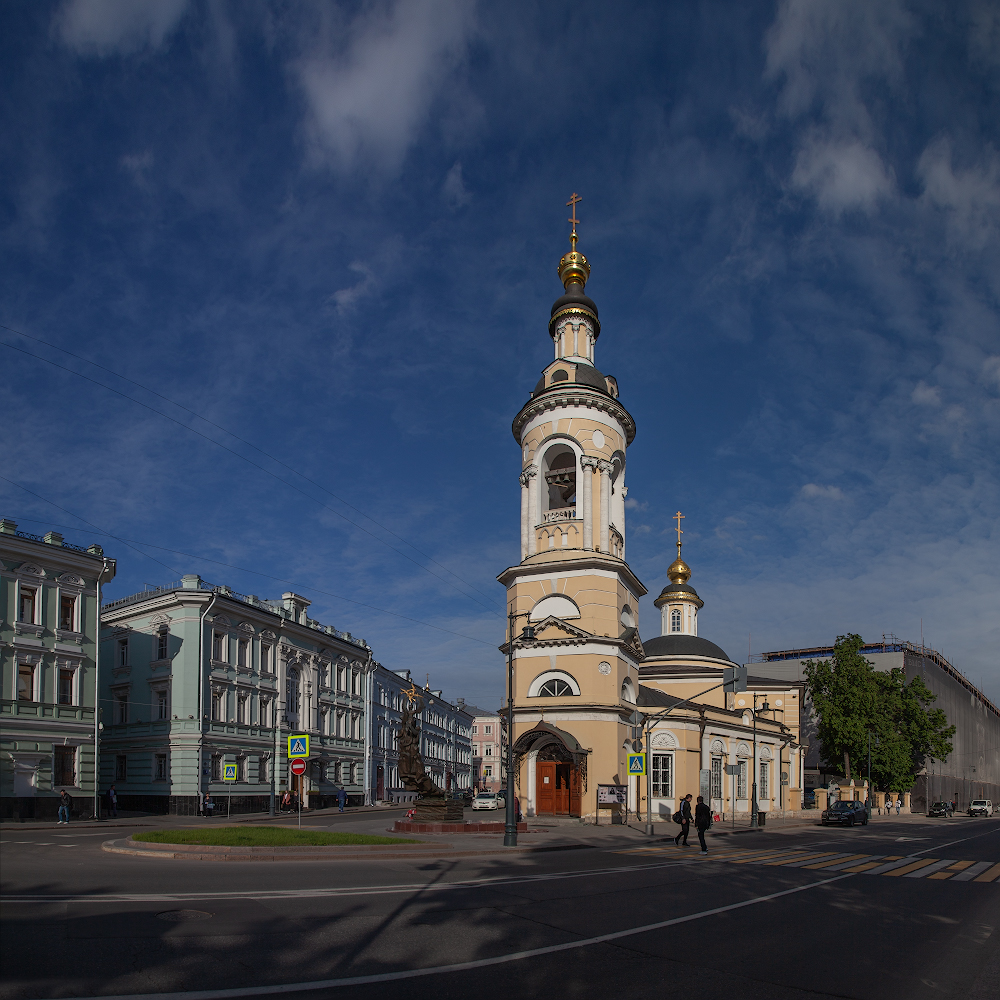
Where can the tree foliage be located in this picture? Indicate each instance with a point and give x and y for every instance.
(859, 707)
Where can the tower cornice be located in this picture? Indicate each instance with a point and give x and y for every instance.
(591, 560)
(552, 399)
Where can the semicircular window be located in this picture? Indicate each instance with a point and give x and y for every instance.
(555, 688)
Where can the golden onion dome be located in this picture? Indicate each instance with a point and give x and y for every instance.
(679, 571)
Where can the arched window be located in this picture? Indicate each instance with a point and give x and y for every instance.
(675, 620)
(555, 688)
(292, 692)
(628, 691)
(560, 477)
(626, 617)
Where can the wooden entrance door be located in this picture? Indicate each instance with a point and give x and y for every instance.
(545, 787)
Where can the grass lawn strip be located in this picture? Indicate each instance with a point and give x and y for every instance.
(264, 836)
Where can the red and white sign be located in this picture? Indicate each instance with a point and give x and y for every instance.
(297, 766)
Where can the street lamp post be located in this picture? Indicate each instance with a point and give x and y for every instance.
(527, 635)
(754, 805)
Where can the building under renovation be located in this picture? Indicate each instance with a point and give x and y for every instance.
(972, 771)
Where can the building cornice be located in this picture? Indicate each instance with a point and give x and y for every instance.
(591, 560)
(573, 395)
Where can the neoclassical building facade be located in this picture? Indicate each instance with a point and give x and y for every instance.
(586, 679)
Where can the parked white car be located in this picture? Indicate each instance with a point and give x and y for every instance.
(981, 807)
(489, 800)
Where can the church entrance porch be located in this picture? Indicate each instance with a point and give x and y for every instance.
(555, 771)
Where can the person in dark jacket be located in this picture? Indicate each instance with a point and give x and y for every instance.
(685, 812)
(702, 821)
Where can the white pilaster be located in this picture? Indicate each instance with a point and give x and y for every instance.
(605, 468)
(531, 472)
(588, 464)
(524, 479)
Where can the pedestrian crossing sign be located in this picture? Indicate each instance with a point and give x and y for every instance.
(298, 746)
(228, 772)
(636, 763)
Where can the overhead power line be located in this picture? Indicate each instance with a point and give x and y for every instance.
(249, 444)
(132, 542)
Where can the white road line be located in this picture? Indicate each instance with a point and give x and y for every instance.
(517, 956)
(941, 847)
(365, 890)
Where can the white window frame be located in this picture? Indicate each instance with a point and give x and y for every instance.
(36, 607)
(676, 620)
(662, 775)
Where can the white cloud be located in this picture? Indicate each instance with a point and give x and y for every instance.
(117, 27)
(347, 298)
(841, 175)
(454, 190)
(991, 368)
(970, 197)
(926, 395)
(367, 103)
(813, 491)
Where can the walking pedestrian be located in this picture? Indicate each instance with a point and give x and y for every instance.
(65, 805)
(685, 812)
(702, 821)
(898, 803)
(113, 801)
(209, 805)
(341, 798)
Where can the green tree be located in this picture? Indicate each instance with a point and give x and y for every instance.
(862, 710)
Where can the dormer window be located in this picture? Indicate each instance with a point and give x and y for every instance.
(675, 619)
(560, 375)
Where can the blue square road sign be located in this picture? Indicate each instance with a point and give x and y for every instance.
(636, 763)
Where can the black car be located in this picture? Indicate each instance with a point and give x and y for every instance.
(846, 814)
(940, 809)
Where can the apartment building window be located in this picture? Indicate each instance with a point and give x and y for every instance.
(487, 770)
(163, 645)
(66, 686)
(217, 638)
(67, 613)
(763, 792)
(340, 678)
(121, 708)
(265, 712)
(662, 775)
(25, 682)
(242, 769)
(265, 658)
(123, 652)
(488, 730)
(242, 714)
(716, 791)
(217, 706)
(160, 767)
(292, 693)
(162, 708)
(475, 730)
(216, 767)
(64, 766)
(262, 772)
(121, 767)
(242, 649)
(26, 608)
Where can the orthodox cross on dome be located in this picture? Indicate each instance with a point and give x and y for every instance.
(677, 517)
(574, 200)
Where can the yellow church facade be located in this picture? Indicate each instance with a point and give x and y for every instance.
(586, 687)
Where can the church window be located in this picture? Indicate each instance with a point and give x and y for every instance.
(763, 790)
(716, 791)
(675, 620)
(560, 375)
(741, 780)
(555, 688)
(628, 691)
(662, 775)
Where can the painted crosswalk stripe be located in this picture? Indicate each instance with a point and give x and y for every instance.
(988, 876)
(845, 858)
(913, 866)
(891, 865)
(850, 862)
(809, 858)
(930, 869)
(972, 871)
(794, 860)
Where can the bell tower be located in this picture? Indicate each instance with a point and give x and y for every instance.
(575, 686)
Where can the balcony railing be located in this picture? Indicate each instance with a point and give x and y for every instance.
(559, 514)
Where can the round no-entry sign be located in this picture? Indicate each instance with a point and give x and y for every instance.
(297, 766)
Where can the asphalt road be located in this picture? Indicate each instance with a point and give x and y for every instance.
(626, 916)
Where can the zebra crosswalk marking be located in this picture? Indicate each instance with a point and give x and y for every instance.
(836, 865)
(803, 858)
(972, 871)
(912, 866)
(931, 870)
(988, 876)
(867, 866)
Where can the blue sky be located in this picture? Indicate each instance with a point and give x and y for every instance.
(333, 229)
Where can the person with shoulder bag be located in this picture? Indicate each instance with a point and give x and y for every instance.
(685, 821)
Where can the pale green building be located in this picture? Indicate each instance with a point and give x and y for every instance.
(196, 676)
(49, 600)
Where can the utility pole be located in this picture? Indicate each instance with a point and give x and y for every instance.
(527, 635)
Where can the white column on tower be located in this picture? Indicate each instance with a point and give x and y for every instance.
(588, 464)
(605, 468)
(524, 478)
(531, 474)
